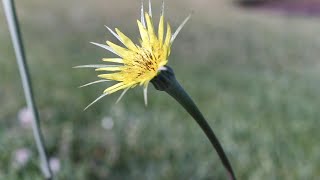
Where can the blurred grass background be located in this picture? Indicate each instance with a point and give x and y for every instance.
(254, 75)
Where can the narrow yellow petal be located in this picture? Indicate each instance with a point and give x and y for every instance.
(143, 32)
(168, 36)
(160, 30)
(152, 36)
(112, 76)
(118, 87)
(122, 52)
(113, 88)
(119, 68)
(114, 60)
(126, 41)
(151, 33)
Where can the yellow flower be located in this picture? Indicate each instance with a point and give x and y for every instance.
(137, 64)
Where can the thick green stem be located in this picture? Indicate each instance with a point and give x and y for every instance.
(167, 82)
(12, 20)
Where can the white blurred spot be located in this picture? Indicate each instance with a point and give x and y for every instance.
(54, 164)
(21, 157)
(107, 123)
(162, 68)
(25, 117)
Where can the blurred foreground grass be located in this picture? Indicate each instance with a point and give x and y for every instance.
(253, 74)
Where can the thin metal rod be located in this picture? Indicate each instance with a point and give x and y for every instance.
(15, 33)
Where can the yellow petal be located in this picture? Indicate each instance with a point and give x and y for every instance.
(117, 87)
(143, 32)
(126, 41)
(112, 76)
(122, 52)
(119, 68)
(114, 88)
(168, 36)
(150, 29)
(160, 30)
(114, 60)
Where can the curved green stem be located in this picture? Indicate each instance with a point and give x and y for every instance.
(26, 83)
(166, 81)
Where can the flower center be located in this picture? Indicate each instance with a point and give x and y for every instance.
(146, 63)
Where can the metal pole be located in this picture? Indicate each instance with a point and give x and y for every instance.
(13, 24)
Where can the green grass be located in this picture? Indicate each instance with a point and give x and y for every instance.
(254, 76)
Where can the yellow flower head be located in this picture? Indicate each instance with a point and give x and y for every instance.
(137, 64)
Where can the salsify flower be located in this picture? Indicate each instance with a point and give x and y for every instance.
(137, 64)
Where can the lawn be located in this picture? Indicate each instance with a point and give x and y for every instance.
(254, 75)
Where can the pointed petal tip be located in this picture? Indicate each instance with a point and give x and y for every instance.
(150, 8)
(105, 47)
(142, 14)
(94, 82)
(100, 97)
(94, 66)
(162, 8)
(109, 29)
(114, 34)
(79, 66)
(179, 28)
(145, 95)
(121, 96)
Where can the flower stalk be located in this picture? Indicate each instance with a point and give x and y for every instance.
(14, 29)
(166, 81)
